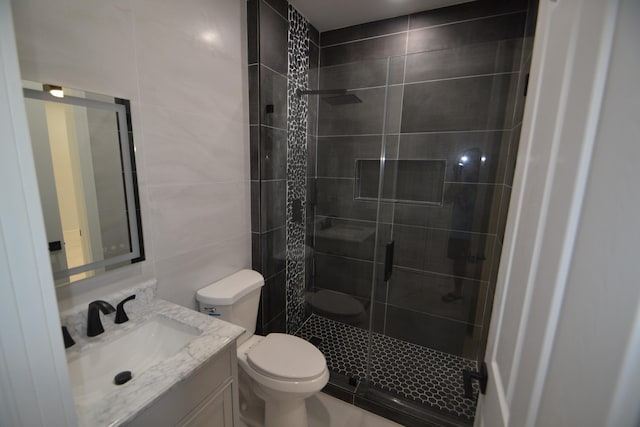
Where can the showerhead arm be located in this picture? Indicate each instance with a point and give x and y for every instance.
(301, 92)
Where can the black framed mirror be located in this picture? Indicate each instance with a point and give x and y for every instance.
(85, 163)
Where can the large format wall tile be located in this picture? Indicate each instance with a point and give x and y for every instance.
(78, 44)
(438, 295)
(255, 206)
(273, 251)
(354, 75)
(273, 153)
(337, 155)
(473, 59)
(469, 32)
(312, 144)
(217, 27)
(182, 150)
(335, 197)
(345, 275)
(180, 277)
(314, 35)
(348, 238)
(273, 39)
(254, 151)
(445, 335)
(256, 250)
(253, 49)
(277, 325)
(273, 204)
(363, 50)
(370, 29)
(473, 103)
(272, 302)
(466, 207)
(186, 217)
(354, 118)
(465, 11)
(254, 94)
(273, 99)
(443, 251)
(166, 53)
(492, 146)
(280, 6)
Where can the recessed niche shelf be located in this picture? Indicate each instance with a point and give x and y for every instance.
(405, 181)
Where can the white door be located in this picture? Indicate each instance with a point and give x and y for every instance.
(34, 380)
(565, 333)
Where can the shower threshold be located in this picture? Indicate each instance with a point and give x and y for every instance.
(413, 381)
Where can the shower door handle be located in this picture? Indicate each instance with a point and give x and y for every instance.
(482, 376)
(388, 261)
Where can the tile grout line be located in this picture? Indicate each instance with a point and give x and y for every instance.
(409, 30)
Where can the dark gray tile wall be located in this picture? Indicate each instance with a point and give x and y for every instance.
(272, 163)
(456, 96)
(267, 28)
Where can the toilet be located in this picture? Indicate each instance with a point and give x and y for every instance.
(280, 370)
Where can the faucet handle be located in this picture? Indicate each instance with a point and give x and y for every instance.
(121, 316)
(68, 341)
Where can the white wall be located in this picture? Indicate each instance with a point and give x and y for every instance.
(593, 367)
(183, 66)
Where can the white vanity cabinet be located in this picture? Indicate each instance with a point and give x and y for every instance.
(207, 397)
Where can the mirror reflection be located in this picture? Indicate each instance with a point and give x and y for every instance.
(83, 150)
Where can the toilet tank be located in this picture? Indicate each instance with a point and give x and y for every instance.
(234, 299)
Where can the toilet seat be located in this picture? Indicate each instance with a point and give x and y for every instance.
(286, 357)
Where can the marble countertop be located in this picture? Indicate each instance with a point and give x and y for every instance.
(127, 400)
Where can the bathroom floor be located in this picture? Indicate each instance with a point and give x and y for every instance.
(420, 374)
(327, 411)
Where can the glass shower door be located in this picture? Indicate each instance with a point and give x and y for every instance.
(350, 105)
(410, 192)
(443, 201)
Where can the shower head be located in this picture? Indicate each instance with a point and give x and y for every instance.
(341, 96)
(342, 99)
(301, 92)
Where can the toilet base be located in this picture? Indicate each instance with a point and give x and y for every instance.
(285, 413)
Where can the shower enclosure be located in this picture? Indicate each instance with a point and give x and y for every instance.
(413, 172)
(379, 200)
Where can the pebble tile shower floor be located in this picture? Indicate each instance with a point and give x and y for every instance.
(423, 375)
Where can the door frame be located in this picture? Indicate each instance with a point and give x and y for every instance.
(34, 382)
(548, 228)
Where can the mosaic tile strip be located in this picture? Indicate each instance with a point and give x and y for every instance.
(420, 374)
(298, 70)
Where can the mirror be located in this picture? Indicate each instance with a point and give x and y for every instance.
(84, 156)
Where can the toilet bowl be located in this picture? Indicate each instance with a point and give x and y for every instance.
(281, 370)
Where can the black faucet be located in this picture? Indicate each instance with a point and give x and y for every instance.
(68, 341)
(121, 316)
(94, 325)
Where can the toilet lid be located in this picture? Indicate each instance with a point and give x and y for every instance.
(286, 357)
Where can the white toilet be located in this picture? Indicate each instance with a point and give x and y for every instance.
(282, 370)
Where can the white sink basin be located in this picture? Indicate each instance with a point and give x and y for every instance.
(92, 373)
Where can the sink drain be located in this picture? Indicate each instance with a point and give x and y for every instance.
(122, 377)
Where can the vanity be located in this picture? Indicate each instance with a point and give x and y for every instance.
(150, 362)
(182, 365)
